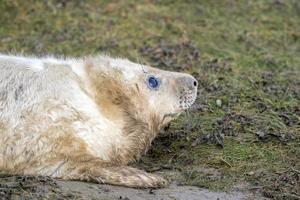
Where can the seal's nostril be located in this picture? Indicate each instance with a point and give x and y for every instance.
(188, 83)
(195, 83)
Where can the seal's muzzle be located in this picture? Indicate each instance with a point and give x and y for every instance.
(188, 91)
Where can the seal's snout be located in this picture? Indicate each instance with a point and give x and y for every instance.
(188, 91)
(188, 83)
(191, 83)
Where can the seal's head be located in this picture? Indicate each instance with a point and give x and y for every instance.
(144, 93)
(138, 100)
(168, 93)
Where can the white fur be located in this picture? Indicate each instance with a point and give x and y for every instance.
(33, 64)
(46, 73)
(85, 119)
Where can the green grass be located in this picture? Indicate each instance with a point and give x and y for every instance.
(244, 53)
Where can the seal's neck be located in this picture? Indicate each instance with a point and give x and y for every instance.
(139, 135)
(126, 108)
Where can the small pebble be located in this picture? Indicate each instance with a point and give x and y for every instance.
(251, 173)
(219, 102)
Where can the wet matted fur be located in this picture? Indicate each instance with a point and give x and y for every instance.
(85, 118)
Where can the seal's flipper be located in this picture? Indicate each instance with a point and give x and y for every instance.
(121, 175)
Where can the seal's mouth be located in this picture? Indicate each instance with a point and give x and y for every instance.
(187, 99)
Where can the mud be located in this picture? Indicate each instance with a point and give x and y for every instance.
(30, 187)
(94, 191)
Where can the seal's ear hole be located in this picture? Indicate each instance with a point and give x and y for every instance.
(137, 87)
(153, 82)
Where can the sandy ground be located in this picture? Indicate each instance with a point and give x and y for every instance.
(173, 192)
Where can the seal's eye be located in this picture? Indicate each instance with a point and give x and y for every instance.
(153, 82)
